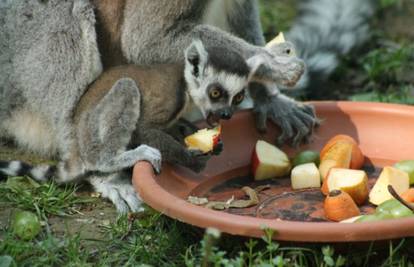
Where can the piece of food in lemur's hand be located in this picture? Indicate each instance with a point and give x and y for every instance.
(268, 161)
(205, 139)
(280, 38)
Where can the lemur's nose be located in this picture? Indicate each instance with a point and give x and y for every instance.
(226, 114)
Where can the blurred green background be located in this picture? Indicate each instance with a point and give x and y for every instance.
(380, 70)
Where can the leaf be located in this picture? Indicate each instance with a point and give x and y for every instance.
(329, 261)
(240, 203)
(197, 200)
(253, 199)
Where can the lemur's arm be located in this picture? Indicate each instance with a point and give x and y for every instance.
(296, 120)
(245, 23)
(173, 151)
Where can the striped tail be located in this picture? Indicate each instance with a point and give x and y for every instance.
(327, 30)
(18, 168)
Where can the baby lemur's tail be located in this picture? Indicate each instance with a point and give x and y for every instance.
(42, 172)
(326, 30)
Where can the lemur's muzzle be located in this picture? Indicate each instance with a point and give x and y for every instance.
(213, 118)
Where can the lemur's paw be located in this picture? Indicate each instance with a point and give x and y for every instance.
(296, 120)
(199, 160)
(181, 129)
(278, 65)
(119, 191)
(150, 154)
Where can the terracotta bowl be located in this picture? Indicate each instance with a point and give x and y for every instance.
(384, 132)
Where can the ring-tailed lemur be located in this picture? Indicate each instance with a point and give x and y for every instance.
(129, 106)
(50, 51)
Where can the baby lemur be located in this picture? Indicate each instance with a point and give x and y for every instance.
(125, 115)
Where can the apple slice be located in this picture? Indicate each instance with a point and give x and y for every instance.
(338, 156)
(268, 161)
(354, 182)
(305, 176)
(399, 180)
(204, 139)
(280, 38)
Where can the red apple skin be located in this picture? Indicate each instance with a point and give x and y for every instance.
(255, 162)
(216, 140)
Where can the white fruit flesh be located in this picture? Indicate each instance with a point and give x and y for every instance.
(305, 176)
(399, 180)
(280, 38)
(203, 139)
(269, 161)
(338, 179)
(351, 220)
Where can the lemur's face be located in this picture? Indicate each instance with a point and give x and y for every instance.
(216, 88)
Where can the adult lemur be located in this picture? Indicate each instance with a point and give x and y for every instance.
(51, 50)
(128, 106)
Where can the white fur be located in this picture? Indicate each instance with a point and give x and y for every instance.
(232, 83)
(13, 168)
(32, 132)
(39, 172)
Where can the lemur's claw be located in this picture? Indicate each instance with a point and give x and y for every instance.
(296, 120)
(218, 148)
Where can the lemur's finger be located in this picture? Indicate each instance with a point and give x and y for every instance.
(131, 198)
(301, 131)
(286, 128)
(218, 148)
(261, 120)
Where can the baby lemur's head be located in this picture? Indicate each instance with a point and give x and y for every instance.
(216, 78)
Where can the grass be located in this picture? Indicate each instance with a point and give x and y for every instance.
(151, 239)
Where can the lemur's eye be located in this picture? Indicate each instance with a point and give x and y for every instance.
(215, 93)
(238, 98)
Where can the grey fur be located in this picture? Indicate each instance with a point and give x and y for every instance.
(49, 59)
(326, 30)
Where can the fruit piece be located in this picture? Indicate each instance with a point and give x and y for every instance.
(305, 176)
(338, 156)
(394, 209)
(339, 206)
(306, 156)
(280, 38)
(408, 195)
(268, 161)
(354, 182)
(408, 167)
(352, 219)
(389, 176)
(25, 225)
(204, 139)
(357, 158)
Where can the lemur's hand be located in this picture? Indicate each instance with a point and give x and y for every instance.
(181, 129)
(296, 120)
(198, 160)
(277, 64)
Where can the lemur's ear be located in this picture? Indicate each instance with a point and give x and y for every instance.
(196, 55)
